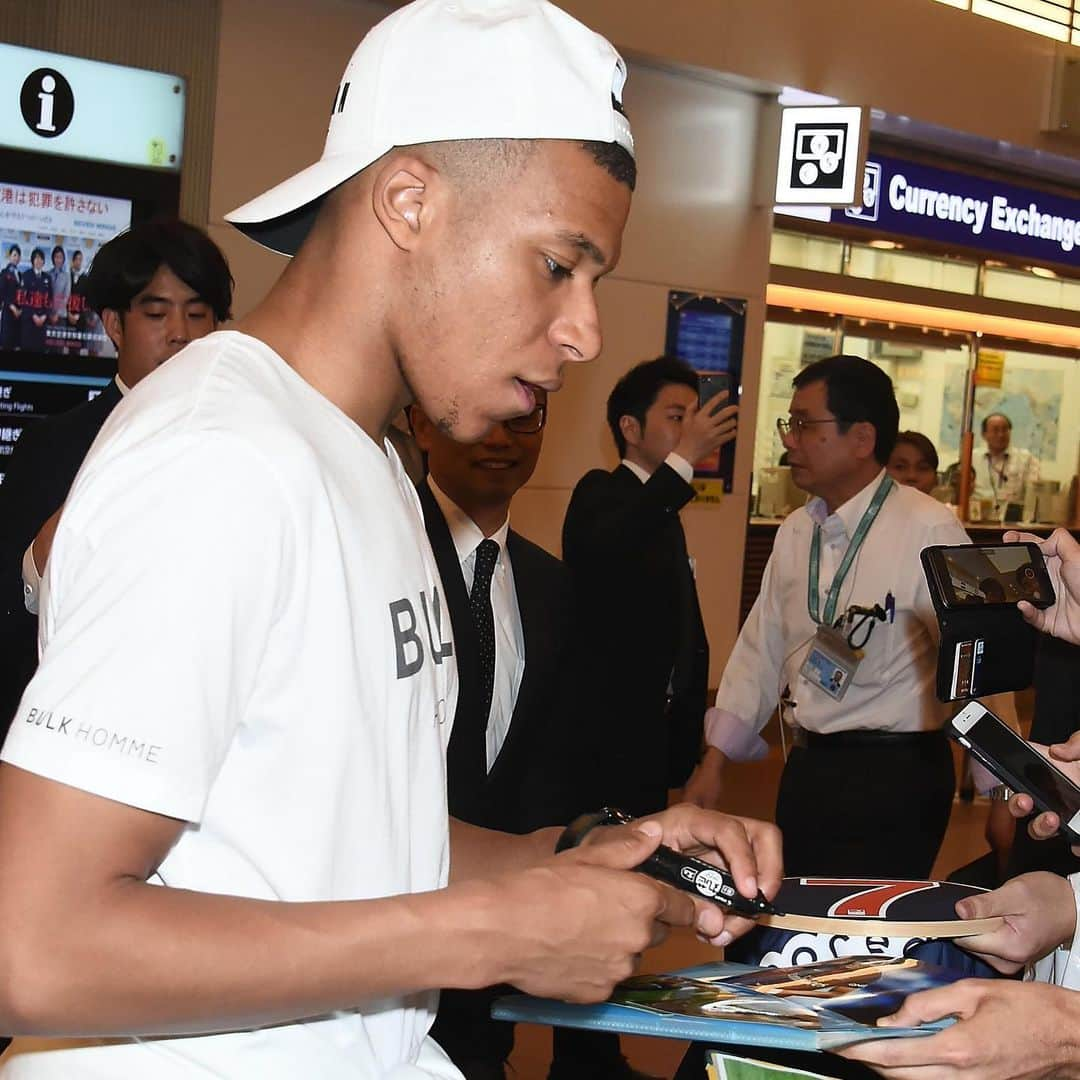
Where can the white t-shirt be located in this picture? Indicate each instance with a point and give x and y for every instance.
(294, 707)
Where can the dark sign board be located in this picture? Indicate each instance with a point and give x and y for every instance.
(906, 198)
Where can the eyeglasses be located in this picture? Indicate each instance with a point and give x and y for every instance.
(529, 424)
(796, 425)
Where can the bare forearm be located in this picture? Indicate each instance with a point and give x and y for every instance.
(148, 960)
(478, 853)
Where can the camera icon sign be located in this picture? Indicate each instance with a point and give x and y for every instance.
(819, 154)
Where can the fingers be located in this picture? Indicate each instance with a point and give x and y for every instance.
(769, 854)
(1067, 751)
(620, 847)
(1044, 826)
(750, 849)
(1033, 615)
(959, 999)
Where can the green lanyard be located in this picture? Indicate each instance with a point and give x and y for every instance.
(863, 528)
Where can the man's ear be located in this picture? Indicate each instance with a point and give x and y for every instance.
(421, 427)
(113, 321)
(404, 197)
(630, 427)
(865, 435)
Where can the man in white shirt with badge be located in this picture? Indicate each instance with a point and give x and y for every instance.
(224, 838)
(842, 638)
(1004, 473)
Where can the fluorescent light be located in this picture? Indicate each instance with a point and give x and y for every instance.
(945, 319)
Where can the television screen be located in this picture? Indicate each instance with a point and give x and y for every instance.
(48, 239)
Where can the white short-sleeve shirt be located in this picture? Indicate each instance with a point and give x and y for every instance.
(243, 628)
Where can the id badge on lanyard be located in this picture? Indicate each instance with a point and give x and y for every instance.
(831, 663)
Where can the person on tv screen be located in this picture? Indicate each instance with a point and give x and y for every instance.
(78, 313)
(60, 278)
(34, 300)
(10, 283)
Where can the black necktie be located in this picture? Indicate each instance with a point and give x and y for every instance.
(480, 604)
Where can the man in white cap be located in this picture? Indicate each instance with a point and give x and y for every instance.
(224, 844)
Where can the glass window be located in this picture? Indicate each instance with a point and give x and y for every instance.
(904, 268)
(1041, 397)
(929, 387)
(806, 252)
(1032, 287)
(786, 349)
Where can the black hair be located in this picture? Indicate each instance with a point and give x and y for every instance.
(857, 391)
(61, 250)
(921, 443)
(637, 390)
(16, 249)
(76, 254)
(127, 263)
(615, 159)
(990, 416)
(35, 253)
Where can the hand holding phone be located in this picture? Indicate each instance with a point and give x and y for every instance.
(706, 429)
(988, 575)
(1062, 559)
(1018, 764)
(710, 386)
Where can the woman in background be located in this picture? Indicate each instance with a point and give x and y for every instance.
(914, 461)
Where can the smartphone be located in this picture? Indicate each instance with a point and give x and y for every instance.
(995, 575)
(1017, 764)
(711, 385)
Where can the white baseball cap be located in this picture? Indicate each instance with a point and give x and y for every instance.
(437, 70)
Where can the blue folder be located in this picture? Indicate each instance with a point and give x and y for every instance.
(835, 1030)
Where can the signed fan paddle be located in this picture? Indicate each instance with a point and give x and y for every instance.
(863, 907)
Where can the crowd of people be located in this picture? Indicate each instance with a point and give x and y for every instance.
(294, 731)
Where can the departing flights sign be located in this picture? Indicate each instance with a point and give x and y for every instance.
(955, 208)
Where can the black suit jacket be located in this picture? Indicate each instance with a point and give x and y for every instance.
(37, 478)
(528, 786)
(639, 629)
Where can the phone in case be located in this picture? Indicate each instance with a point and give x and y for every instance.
(711, 385)
(1018, 764)
(965, 576)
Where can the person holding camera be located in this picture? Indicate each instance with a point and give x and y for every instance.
(1007, 1030)
(646, 685)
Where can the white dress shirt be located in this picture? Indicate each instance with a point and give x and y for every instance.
(1005, 478)
(893, 688)
(30, 574)
(509, 635)
(676, 461)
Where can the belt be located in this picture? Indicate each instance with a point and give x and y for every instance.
(841, 740)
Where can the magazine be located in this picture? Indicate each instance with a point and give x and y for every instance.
(810, 1007)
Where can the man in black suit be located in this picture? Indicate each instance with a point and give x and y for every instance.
(156, 287)
(514, 720)
(639, 627)
(512, 669)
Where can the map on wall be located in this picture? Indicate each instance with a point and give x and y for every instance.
(1029, 397)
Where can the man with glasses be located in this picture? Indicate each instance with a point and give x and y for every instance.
(842, 639)
(509, 606)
